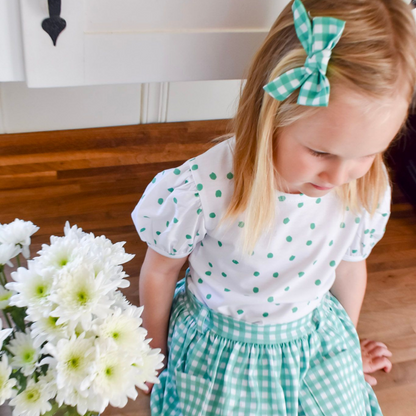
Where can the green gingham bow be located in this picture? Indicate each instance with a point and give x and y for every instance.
(318, 41)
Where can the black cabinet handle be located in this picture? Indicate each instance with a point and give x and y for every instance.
(54, 24)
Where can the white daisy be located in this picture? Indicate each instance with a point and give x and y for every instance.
(146, 365)
(7, 252)
(84, 403)
(123, 328)
(33, 287)
(46, 329)
(33, 400)
(115, 378)
(60, 253)
(4, 333)
(6, 383)
(5, 296)
(80, 295)
(73, 360)
(25, 354)
(18, 233)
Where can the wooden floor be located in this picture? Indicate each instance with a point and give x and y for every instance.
(95, 177)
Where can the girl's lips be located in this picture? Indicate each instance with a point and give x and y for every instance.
(321, 188)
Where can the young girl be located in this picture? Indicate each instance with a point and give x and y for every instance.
(277, 221)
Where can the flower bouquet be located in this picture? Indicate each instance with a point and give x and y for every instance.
(74, 343)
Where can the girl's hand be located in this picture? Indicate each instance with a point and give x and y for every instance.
(374, 355)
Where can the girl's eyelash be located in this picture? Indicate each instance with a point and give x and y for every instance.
(318, 154)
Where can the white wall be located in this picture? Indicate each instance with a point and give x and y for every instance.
(24, 109)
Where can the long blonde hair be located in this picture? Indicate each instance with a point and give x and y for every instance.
(377, 46)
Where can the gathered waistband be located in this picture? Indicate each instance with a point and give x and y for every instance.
(230, 328)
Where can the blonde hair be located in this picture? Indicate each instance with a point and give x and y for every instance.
(376, 49)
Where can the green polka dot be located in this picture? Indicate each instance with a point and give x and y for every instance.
(188, 237)
(170, 189)
(212, 215)
(218, 194)
(143, 229)
(194, 167)
(158, 232)
(332, 263)
(313, 226)
(176, 171)
(199, 211)
(255, 289)
(175, 220)
(224, 274)
(175, 200)
(366, 231)
(270, 255)
(227, 290)
(317, 282)
(301, 274)
(208, 296)
(354, 251)
(265, 314)
(318, 201)
(270, 299)
(154, 180)
(197, 194)
(331, 242)
(342, 225)
(292, 258)
(213, 176)
(200, 280)
(275, 274)
(309, 242)
(160, 201)
(372, 231)
(174, 250)
(199, 187)
(313, 264)
(230, 175)
(167, 223)
(384, 215)
(287, 288)
(286, 220)
(210, 264)
(219, 243)
(288, 238)
(240, 311)
(241, 224)
(282, 198)
(300, 205)
(357, 220)
(155, 241)
(235, 261)
(256, 274)
(294, 309)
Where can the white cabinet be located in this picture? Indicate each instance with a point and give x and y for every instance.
(134, 41)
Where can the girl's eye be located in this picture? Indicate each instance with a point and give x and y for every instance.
(317, 154)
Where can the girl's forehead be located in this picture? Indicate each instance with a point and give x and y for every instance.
(353, 127)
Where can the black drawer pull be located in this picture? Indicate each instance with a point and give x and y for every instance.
(54, 24)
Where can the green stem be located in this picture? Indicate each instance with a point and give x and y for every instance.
(7, 319)
(2, 276)
(18, 260)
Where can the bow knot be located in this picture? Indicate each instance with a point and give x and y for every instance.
(318, 39)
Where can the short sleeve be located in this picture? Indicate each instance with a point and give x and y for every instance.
(370, 230)
(169, 216)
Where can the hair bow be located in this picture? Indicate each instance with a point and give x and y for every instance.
(318, 39)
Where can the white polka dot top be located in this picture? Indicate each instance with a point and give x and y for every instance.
(287, 275)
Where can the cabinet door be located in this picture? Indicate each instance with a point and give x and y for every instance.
(127, 41)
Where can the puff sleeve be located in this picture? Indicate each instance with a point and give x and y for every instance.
(370, 230)
(169, 216)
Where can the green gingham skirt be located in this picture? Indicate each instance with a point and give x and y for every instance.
(220, 366)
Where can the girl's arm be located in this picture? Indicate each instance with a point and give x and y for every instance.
(158, 277)
(349, 287)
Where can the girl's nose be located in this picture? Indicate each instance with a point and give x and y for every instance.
(335, 174)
